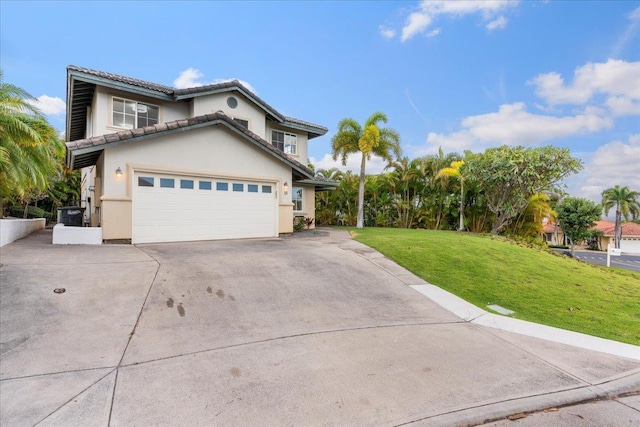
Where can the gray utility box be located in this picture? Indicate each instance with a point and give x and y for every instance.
(70, 216)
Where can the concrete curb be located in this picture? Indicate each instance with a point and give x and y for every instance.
(478, 316)
(493, 411)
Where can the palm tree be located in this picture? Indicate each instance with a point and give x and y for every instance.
(30, 150)
(627, 206)
(368, 139)
(453, 171)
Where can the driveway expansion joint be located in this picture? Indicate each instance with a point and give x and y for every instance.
(285, 337)
(132, 334)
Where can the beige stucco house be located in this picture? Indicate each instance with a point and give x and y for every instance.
(162, 164)
(630, 240)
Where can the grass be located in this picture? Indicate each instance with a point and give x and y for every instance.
(539, 286)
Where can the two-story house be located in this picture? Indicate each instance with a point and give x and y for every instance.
(162, 164)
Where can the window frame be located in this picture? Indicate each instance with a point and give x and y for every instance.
(295, 199)
(136, 117)
(146, 181)
(289, 140)
(167, 183)
(187, 184)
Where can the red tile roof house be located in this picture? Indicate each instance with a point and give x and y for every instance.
(630, 241)
(162, 164)
(553, 234)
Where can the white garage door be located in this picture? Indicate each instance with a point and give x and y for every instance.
(631, 246)
(170, 208)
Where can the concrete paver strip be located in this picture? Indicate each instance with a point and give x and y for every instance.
(316, 331)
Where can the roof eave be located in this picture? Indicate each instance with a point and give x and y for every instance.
(319, 184)
(113, 84)
(313, 132)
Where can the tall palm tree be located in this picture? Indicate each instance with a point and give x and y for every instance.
(627, 206)
(368, 139)
(453, 171)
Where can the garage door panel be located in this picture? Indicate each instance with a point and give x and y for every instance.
(630, 245)
(162, 214)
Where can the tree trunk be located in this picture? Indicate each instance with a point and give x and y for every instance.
(461, 205)
(618, 232)
(573, 249)
(360, 221)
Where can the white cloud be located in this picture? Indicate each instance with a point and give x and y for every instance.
(512, 125)
(50, 106)
(188, 78)
(374, 166)
(417, 22)
(497, 24)
(433, 33)
(629, 34)
(191, 77)
(429, 10)
(612, 78)
(623, 106)
(385, 32)
(615, 163)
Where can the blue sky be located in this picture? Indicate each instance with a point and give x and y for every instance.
(457, 74)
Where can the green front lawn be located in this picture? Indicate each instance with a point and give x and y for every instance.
(539, 286)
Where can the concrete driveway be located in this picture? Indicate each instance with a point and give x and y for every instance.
(300, 331)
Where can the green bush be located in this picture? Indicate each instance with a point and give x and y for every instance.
(32, 212)
(299, 223)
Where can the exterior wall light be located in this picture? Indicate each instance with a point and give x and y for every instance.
(118, 171)
(285, 187)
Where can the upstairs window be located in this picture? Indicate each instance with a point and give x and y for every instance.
(132, 114)
(287, 142)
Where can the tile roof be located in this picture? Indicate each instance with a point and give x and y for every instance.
(307, 124)
(94, 144)
(609, 227)
(123, 79)
(195, 91)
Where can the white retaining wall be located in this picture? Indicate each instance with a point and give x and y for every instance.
(76, 235)
(14, 229)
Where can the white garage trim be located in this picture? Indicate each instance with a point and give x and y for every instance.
(168, 207)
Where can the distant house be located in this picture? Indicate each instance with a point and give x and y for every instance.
(162, 164)
(553, 234)
(630, 241)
